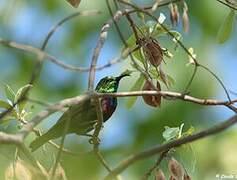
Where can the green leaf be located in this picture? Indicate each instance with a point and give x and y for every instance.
(180, 130)
(9, 93)
(170, 133)
(22, 91)
(19, 95)
(141, 16)
(4, 104)
(226, 28)
(6, 120)
(170, 80)
(190, 131)
(137, 86)
(10, 116)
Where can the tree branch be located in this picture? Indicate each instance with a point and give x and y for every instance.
(100, 43)
(172, 144)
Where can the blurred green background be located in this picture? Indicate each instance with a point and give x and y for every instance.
(129, 130)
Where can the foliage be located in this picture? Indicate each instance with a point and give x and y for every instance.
(155, 51)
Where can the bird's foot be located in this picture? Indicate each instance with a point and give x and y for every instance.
(94, 140)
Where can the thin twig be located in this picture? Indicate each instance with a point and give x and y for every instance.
(169, 95)
(66, 19)
(227, 4)
(100, 43)
(102, 160)
(161, 157)
(76, 100)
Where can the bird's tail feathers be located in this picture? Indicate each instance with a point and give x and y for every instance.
(38, 142)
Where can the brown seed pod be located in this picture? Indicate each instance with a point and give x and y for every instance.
(172, 178)
(160, 175)
(176, 169)
(187, 177)
(185, 18)
(153, 52)
(74, 3)
(154, 101)
(174, 14)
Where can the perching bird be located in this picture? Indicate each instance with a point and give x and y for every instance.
(83, 116)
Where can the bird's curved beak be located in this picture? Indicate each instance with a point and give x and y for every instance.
(118, 78)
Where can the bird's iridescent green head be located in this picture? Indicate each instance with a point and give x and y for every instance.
(109, 84)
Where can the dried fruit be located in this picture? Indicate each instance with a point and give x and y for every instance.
(176, 169)
(153, 52)
(172, 178)
(185, 18)
(174, 14)
(152, 100)
(160, 175)
(74, 3)
(187, 177)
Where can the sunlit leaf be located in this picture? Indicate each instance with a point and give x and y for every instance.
(190, 131)
(170, 133)
(4, 104)
(137, 86)
(170, 80)
(190, 57)
(161, 18)
(141, 16)
(226, 27)
(167, 53)
(180, 130)
(9, 93)
(19, 95)
(138, 53)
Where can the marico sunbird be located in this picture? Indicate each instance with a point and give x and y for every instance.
(83, 116)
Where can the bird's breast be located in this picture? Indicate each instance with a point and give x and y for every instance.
(108, 105)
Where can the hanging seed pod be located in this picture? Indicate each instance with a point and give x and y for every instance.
(176, 169)
(172, 178)
(154, 101)
(185, 18)
(160, 175)
(153, 52)
(174, 14)
(74, 3)
(187, 177)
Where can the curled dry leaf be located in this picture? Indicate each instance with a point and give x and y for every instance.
(174, 14)
(172, 178)
(154, 101)
(176, 169)
(160, 175)
(60, 173)
(153, 52)
(74, 3)
(19, 171)
(187, 177)
(185, 18)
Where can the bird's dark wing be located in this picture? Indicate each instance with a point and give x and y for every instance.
(82, 118)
